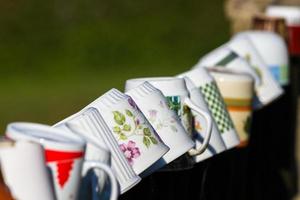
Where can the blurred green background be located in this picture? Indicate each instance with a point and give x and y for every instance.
(57, 56)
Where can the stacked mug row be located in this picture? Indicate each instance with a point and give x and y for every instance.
(141, 131)
(158, 123)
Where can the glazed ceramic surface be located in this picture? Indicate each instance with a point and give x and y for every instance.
(63, 155)
(96, 150)
(179, 101)
(273, 51)
(216, 105)
(292, 16)
(269, 89)
(216, 144)
(165, 121)
(136, 137)
(91, 125)
(237, 91)
(20, 162)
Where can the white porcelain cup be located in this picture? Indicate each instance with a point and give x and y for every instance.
(165, 121)
(137, 139)
(99, 133)
(273, 51)
(174, 89)
(24, 170)
(237, 91)
(270, 89)
(291, 14)
(209, 89)
(224, 57)
(216, 144)
(63, 156)
(95, 151)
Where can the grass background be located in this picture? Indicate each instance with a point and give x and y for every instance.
(57, 56)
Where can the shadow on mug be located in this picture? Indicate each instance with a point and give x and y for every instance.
(156, 166)
(199, 138)
(89, 189)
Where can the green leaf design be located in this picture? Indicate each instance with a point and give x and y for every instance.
(119, 117)
(127, 127)
(186, 110)
(117, 129)
(123, 136)
(129, 113)
(153, 140)
(174, 105)
(258, 71)
(146, 141)
(147, 132)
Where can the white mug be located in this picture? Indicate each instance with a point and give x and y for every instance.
(63, 156)
(270, 89)
(178, 99)
(216, 144)
(165, 121)
(273, 51)
(237, 91)
(224, 57)
(136, 137)
(24, 170)
(95, 151)
(98, 132)
(208, 88)
(291, 14)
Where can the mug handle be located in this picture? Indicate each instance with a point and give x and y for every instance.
(208, 120)
(111, 176)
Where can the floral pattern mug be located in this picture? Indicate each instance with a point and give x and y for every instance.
(164, 119)
(178, 100)
(90, 125)
(136, 138)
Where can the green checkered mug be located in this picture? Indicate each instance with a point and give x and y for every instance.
(216, 105)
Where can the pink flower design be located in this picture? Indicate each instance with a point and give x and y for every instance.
(137, 122)
(132, 103)
(130, 151)
(152, 113)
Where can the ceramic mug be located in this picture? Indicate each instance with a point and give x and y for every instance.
(270, 89)
(24, 170)
(165, 121)
(209, 89)
(292, 16)
(137, 139)
(216, 144)
(96, 128)
(273, 51)
(224, 57)
(271, 24)
(90, 125)
(95, 151)
(63, 156)
(237, 91)
(174, 89)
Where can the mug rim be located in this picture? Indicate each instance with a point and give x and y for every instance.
(150, 79)
(166, 84)
(43, 134)
(230, 75)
